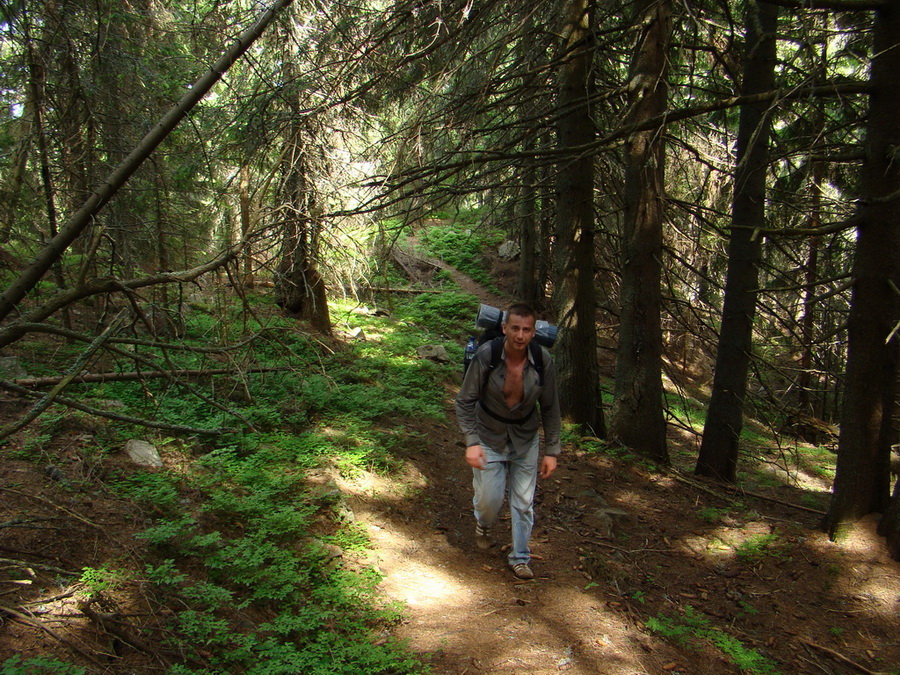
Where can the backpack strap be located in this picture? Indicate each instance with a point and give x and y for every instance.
(537, 355)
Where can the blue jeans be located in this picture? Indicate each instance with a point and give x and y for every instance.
(489, 485)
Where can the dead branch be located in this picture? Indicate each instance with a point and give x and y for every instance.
(55, 506)
(65, 298)
(76, 368)
(24, 618)
(416, 291)
(174, 375)
(152, 344)
(734, 488)
(108, 623)
(128, 419)
(44, 568)
(840, 657)
(35, 382)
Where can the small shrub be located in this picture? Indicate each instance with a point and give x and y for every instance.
(691, 627)
(40, 665)
(711, 514)
(98, 580)
(754, 549)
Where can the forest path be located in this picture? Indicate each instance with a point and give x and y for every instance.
(597, 584)
(466, 610)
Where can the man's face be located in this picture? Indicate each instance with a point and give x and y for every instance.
(519, 331)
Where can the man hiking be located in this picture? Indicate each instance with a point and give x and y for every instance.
(509, 389)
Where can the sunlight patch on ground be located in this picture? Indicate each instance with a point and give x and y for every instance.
(858, 551)
(395, 488)
(796, 477)
(415, 577)
(708, 546)
(486, 619)
(422, 585)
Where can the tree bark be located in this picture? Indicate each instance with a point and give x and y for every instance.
(724, 418)
(528, 237)
(861, 483)
(246, 205)
(890, 524)
(120, 175)
(529, 288)
(638, 419)
(574, 295)
(299, 286)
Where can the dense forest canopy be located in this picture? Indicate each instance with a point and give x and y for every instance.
(688, 179)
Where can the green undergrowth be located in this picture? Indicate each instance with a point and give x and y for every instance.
(692, 631)
(39, 665)
(249, 572)
(252, 566)
(462, 242)
(256, 547)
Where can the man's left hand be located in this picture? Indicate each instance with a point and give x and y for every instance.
(548, 466)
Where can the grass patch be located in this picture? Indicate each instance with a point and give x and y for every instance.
(758, 547)
(462, 242)
(690, 630)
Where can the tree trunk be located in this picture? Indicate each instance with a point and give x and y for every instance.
(890, 524)
(724, 419)
(246, 204)
(806, 402)
(574, 293)
(528, 237)
(861, 482)
(529, 288)
(299, 287)
(638, 419)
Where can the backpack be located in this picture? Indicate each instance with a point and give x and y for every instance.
(491, 319)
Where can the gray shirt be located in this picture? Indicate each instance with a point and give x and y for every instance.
(479, 427)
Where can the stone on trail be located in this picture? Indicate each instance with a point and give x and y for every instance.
(508, 250)
(143, 453)
(433, 352)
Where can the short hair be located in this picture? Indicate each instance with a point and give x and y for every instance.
(520, 309)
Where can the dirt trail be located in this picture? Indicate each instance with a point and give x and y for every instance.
(465, 608)
(807, 605)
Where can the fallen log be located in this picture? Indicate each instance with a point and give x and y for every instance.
(34, 382)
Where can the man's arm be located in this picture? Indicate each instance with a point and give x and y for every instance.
(466, 402)
(548, 466)
(550, 413)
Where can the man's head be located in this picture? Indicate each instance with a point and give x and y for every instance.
(518, 327)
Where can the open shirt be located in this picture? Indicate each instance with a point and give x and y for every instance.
(539, 405)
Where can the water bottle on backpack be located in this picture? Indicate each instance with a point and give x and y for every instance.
(471, 348)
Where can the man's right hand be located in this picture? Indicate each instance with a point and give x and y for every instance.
(475, 457)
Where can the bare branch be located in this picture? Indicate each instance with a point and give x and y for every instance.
(69, 403)
(120, 175)
(18, 329)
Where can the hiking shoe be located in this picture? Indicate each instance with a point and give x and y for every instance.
(522, 571)
(482, 538)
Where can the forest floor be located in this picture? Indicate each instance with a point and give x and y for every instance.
(726, 572)
(758, 569)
